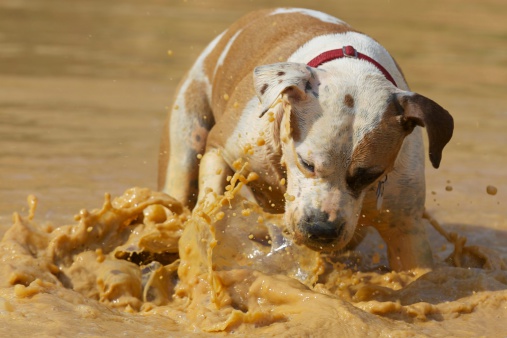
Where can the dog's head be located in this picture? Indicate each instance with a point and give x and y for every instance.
(340, 133)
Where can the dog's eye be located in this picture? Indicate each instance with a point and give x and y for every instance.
(306, 165)
(362, 177)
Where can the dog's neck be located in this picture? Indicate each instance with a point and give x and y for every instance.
(348, 52)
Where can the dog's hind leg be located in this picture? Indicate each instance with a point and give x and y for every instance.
(184, 139)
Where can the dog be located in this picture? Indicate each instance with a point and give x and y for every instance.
(323, 114)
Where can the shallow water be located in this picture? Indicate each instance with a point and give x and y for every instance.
(83, 90)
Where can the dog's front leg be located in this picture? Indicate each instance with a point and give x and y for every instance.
(407, 244)
(400, 224)
(213, 172)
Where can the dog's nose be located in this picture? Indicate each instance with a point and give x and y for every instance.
(324, 232)
(317, 228)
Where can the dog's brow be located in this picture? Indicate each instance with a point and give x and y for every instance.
(361, 177)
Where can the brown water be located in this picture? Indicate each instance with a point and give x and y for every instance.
(84, 86)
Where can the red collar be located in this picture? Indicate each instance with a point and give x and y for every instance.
(350, 52)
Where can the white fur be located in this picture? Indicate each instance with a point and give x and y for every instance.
(243, 132)
(224, 53)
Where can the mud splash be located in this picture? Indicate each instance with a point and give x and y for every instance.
(143, 262)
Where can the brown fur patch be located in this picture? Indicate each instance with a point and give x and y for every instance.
(197, 102)
(349, 101)
(378, 149)
(263, 89)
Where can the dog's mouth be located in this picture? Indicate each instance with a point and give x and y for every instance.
(321, 235)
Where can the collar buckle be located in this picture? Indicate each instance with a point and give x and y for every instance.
(350, 52)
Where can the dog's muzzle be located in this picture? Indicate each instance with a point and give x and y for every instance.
(316, 231)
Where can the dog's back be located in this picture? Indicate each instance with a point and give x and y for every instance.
(261, 37)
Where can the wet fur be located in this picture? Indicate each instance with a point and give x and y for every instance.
(332, 132)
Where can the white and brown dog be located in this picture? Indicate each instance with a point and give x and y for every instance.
(308, 101)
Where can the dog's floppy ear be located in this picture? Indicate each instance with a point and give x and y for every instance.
(421, 111)
(272, 80)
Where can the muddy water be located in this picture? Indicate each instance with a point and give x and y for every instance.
(83, 88)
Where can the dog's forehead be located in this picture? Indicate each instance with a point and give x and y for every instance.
(352, 107)
(327, 145)
(328, 131)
